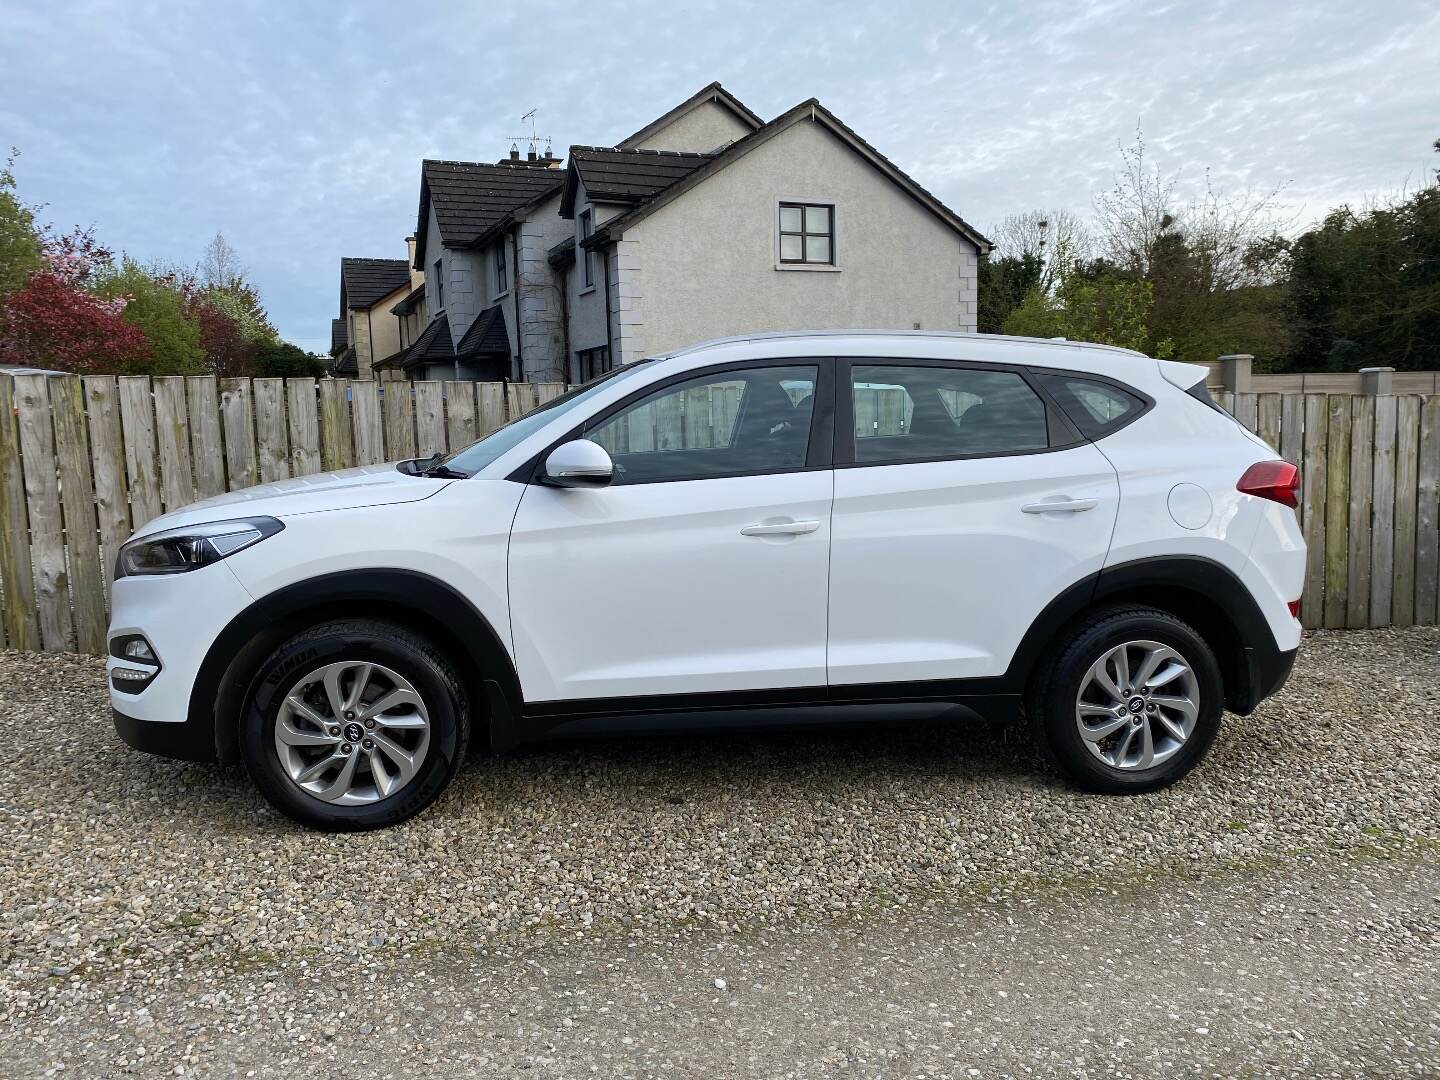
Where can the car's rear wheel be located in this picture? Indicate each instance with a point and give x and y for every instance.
(1129, 701)
(355, 724)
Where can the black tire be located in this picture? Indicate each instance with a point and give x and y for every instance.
(393, 646)
(1051, 704)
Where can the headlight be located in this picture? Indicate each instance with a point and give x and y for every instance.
(176, 551)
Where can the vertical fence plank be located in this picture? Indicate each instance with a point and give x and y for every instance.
(492, 407)
(520, 398)
(77, 503)
(460, 414)
(206, 450)
(1268, 427)
(42, 499)
(1382, 528)
(137, 425)
(1312, 611)
(1427, 517)
(429, 418)
(172, 437)
(548, 391)
(107, 461)
(17, 571)
(1247, 410)
(399, 412)
(1292, 428)
(271, 440)
(1407, 482)
(1362, 475)
(1337, 509)
(337, 437)
(304, 427)
(369, 432)
(237, 418)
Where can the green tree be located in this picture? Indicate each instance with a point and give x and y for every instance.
(281, 360)
(1093, 302)
(156, 304)
(20, 245)
(1002, 283)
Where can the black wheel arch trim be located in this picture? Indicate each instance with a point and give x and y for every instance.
(429, 605)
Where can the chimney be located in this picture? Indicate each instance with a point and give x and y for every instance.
(514, 152)
(417, 277)
(531, 156)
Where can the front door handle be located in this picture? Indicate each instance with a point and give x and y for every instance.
(1062, 506)
(781, 528)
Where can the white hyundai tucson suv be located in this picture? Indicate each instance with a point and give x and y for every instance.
(735, 533)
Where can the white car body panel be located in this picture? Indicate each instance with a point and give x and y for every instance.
(937, 571)
(652, 589)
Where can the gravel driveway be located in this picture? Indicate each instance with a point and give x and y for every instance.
(156, 916)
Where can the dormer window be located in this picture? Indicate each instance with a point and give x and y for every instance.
(807, 233)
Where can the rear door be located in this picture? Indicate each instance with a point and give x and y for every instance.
(964, 503)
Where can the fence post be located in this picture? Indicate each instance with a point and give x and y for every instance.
(1377, 380)
(1235, 371)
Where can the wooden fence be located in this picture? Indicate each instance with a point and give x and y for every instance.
(84, 462)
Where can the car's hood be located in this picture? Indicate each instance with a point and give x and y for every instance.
(369, 485)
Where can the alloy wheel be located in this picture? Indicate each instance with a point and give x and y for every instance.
(1138, 705)
(352, 733)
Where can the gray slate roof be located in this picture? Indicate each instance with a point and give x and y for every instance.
(433, 344)
(339, 334)
(471, 198)
(364, 281)
(486, 335)
(626, 176)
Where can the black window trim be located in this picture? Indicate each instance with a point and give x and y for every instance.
(803, 233)
(1146, 401)
(817, 452)
(1060, 432)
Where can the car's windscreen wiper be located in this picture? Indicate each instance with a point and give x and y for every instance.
(431, 466)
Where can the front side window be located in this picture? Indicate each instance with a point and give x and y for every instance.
(587, 226)
(502, 283)
(733, 423)
(927, 413)
(439, 288)
(807, 233)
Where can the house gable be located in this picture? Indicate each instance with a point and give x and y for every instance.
(702, 123)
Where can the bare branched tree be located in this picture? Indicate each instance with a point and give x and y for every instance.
(220, 266)
(1058, 238)
(1142, 216)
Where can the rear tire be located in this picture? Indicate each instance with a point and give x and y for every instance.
(354, 724)
(1127, 702)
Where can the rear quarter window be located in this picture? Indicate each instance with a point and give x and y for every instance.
(1097, 408)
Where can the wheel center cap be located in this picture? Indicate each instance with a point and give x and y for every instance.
(1136, 704)
(354, 732)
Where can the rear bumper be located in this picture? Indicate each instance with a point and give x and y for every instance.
(1267, 670)
(185, 740)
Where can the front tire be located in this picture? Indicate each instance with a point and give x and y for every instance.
(354, 724)
(1128, 702)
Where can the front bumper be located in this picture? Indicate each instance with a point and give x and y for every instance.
(186, 740)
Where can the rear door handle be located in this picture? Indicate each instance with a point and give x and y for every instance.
(781, 528)
(1062, 506)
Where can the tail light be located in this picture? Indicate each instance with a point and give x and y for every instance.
(1294, 606)
(1278, 481)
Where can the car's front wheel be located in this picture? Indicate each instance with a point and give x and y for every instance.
(1129, 701)
(354, 724)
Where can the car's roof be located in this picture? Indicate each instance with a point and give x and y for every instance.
(996, 348)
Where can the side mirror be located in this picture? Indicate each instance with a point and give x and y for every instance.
(580, 463)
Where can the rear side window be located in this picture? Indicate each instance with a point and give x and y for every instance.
(916, 413)
(1096, 408)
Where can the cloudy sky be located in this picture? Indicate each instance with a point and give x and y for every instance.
(297, 129)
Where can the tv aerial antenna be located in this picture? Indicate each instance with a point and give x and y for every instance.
(534, 138)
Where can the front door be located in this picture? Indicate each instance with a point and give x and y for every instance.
(963, 506)
(703, 567)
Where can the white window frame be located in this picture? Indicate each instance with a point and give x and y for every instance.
(500, 269)
(833, 266)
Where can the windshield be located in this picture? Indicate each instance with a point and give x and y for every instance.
(482, 452)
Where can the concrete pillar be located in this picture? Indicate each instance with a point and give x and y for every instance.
(1377, 380)
(1235, 372)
